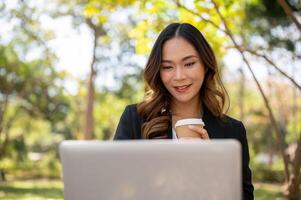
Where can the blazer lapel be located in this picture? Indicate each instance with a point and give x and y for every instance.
(213, 125)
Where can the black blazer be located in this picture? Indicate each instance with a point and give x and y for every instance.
(130, 124)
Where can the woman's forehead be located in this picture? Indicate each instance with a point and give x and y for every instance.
(177, 49)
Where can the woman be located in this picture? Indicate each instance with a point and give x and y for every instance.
(183, 81)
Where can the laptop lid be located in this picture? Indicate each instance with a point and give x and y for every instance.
(151, 169)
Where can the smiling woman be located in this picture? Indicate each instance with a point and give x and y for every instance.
(183, 82)
(182, 77)
(182, 72)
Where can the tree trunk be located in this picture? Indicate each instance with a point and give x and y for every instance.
(5, 131)
(270, 146)
(241, 94)
(293, 187)
(2, 127)
(89, 122)
(89, 118)
(4, 144)
(3, 108)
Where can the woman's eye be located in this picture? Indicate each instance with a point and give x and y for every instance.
(166, 67)
(189, 64)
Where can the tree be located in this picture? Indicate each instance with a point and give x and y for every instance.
(27, 85)
(94, 14)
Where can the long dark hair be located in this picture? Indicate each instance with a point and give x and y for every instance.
(154, 109)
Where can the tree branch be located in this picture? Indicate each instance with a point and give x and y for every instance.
(274, 65)
(197, 14)
(289, 13)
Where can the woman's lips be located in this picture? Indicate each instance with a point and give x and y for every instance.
(182, 88)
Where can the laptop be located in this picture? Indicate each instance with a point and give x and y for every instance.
(152, 170)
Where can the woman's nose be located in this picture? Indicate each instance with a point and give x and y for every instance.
(179, 73)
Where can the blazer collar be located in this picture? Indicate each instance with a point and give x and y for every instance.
(213, 125)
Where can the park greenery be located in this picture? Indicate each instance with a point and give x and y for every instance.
(38, 111)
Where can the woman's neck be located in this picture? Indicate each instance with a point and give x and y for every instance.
(187, 110)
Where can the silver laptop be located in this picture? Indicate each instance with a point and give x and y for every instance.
(152, 170)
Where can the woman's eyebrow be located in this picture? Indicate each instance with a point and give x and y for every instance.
(183, 59)
(167, 61)
(187, 57)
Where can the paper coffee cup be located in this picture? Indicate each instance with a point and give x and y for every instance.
(182, 129)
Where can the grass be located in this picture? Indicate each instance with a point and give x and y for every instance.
(265, 191)
(42, 189)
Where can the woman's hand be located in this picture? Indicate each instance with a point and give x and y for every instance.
(201, 131)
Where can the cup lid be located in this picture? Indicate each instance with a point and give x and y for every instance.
(189, 121)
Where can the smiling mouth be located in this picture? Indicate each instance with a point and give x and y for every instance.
(182, 88)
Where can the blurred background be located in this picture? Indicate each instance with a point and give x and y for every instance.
(69, 67)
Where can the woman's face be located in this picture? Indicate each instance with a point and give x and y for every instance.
(182, 71)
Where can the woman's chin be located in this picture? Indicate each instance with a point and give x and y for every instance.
(183, 100)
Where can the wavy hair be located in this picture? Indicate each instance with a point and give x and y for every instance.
(154, 109)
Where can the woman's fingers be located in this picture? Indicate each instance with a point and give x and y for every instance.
(203, 132)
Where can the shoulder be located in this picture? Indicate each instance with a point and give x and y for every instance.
(131, 110)
(129, 126)
(230, 121)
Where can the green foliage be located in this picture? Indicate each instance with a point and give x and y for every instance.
(106, 122)
(32, 151)
(33, 84)
(38, 165)
(267, 173)
(32, 98)
(158, 13)
(100, 10)
(266, 18)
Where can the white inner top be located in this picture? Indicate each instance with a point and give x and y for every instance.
(174, 134)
